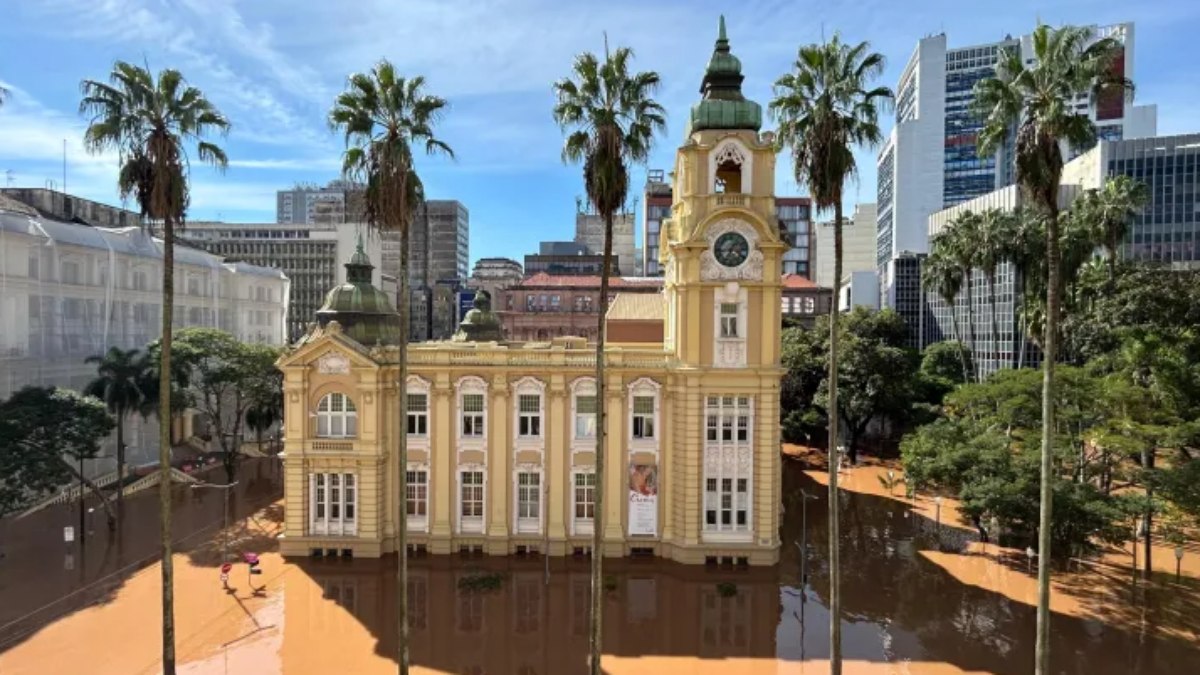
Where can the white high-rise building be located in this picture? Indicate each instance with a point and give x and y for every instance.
(930, 160)
(858, 245)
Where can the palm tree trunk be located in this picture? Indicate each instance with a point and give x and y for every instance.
(164, 447)
(120, 461)
(962, 349)
(991, 281)
(1049, 345)
(974, 364)
(1021, 337)
(596, 619)
(405, 303)
(835, 576)
(1148, 465)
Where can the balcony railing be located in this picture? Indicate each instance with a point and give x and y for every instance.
(331, 445)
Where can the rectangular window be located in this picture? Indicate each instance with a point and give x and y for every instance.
(472, 415)
(529, 500)
(729, 319)
(471, 501)
(418, 414)
(529, 411)
(643, 417)
(585, 416)
(417, 499)
(727, 485)
(333, 503)
(585, 497)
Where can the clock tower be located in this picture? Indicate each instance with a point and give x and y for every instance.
(722, 255)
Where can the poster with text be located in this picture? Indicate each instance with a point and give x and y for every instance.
(643, 499)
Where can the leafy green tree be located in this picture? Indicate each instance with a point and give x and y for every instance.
(44, 434)
(120, 373)
(226, 378)
(382, 116)
(150, 122)
(876, 374)
(264, 413)
(942, 363)
(610, 118)
(825, 107)
(1038, 99)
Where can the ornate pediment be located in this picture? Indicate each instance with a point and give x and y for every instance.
(333, 363)
(750, 269)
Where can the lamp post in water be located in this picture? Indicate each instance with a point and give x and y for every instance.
(804, 499)
(226, 488)
(1178, 560)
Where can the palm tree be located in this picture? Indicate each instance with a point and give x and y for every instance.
(610, 118)
(150, 122)
(1110, 210)
(961, 242)
(382, 115)
(996, 231)
(825, 107)
(263, 415)
(944, 276)
(1026, 253)
(118, 383)
(1038, 99)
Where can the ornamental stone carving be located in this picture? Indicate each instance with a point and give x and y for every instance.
(751, 268)
(730, 354)
(333, 363)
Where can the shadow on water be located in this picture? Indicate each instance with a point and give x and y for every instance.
(43, 579)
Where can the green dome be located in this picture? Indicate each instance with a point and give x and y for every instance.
(364, 312)
(724, 106)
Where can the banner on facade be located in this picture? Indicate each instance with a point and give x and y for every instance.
(643, 500)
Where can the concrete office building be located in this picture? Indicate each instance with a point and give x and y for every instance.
(930, 160)
(858, 245)
(656, 207)
(795, 223)
(589, 231)
(494, 275)
(307, 203)
(1167, 231)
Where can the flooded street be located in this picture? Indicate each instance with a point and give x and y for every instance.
(911, 604)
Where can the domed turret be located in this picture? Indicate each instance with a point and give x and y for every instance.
(724, 106)
(364, 312)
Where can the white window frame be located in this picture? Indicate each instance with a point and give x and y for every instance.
(583, 386)
(327, 490)
(466, 386)
(645, 387)
(729, 352)
(417, 523)
(528, 524)
(528, 386)
(463, 521)
(420, 386)
(346, 416)
(728, 312)
(728, 465)
(582, 525)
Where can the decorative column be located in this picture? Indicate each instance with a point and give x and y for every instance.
(497, 490)
(689, 444)
(616, 488)
(556, 464)
(667, 492)
(442, 464)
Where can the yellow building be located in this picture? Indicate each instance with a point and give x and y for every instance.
(501, 435)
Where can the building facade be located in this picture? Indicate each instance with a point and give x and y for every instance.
(931, 162)
(794, 215)
(71, 291)
(566, 265)
(545, 306)
(494, 275)
(501, 436)
(858, 245)
(309, 204)
(589, 232)
(803, 300)
(656, 207)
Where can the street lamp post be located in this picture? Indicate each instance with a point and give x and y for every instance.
(937, 501)
(1029, 555)
(1178, 560)
(226, 488)
(804, 499)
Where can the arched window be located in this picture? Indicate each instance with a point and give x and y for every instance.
(583, 408)
(336, 417)
(729, 167)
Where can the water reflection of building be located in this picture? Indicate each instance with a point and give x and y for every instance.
(501, 436)
(533, 623)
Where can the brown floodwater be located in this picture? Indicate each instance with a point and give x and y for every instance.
(919, 596)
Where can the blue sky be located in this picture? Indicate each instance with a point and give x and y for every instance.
(274, 66)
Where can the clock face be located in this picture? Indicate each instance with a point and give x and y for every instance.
(731, 249)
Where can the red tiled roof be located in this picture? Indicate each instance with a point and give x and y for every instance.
(544, 280)
(797, 281)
